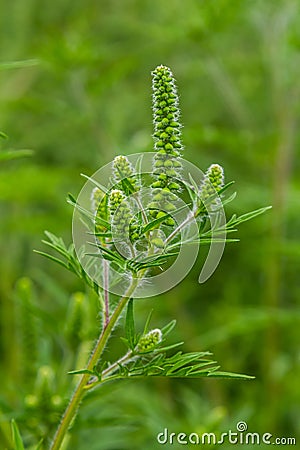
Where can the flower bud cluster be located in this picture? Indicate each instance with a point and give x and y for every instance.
(149, 341)
(212, 183)
(121, 216)
(122, 168)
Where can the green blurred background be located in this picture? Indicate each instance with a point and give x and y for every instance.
(83, 97)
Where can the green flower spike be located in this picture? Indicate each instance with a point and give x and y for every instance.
(166, 163)
(121, 216)
(122, 168)
(212, 183)
(149, 341)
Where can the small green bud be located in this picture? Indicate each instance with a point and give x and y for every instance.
(169, 222)
(174, 186)
(157, 184)
(158, 197)
(158, 242)
(160, 214)
(158, 164)
(170, 173)
(169, 146)
(149, 341)
(162, 177)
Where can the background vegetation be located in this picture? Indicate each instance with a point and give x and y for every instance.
(82, 97)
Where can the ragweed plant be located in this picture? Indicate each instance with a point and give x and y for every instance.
(138, 223)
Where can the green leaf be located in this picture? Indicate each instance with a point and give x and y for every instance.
(19, 64)
(229, 199)
(16, 437)
(129, 326)
(52, 258)
(127, 186)
(248, 216)
(168, 328)
(146, 327)
(168, 347)
(11, 154)
(110, 255)
(138, 169)
(219, 374)
(88, 214)
(39, 446)
(81, 372)
(98, 185)
(225, 187)
(194, 184)
(154, 223)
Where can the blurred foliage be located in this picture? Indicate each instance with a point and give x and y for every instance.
(84, 96)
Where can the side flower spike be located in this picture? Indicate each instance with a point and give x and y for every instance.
(122, 169)
(121, 216)
(212, 183)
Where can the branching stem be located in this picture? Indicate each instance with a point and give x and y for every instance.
(71, 410)
(186, 221)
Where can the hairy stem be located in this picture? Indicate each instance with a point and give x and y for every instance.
(106, 292)
(128, 357)
(72, 408)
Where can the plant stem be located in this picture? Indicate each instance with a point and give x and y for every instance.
(106, 292)
(71, 410)
(189, 218)
(128, 357)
